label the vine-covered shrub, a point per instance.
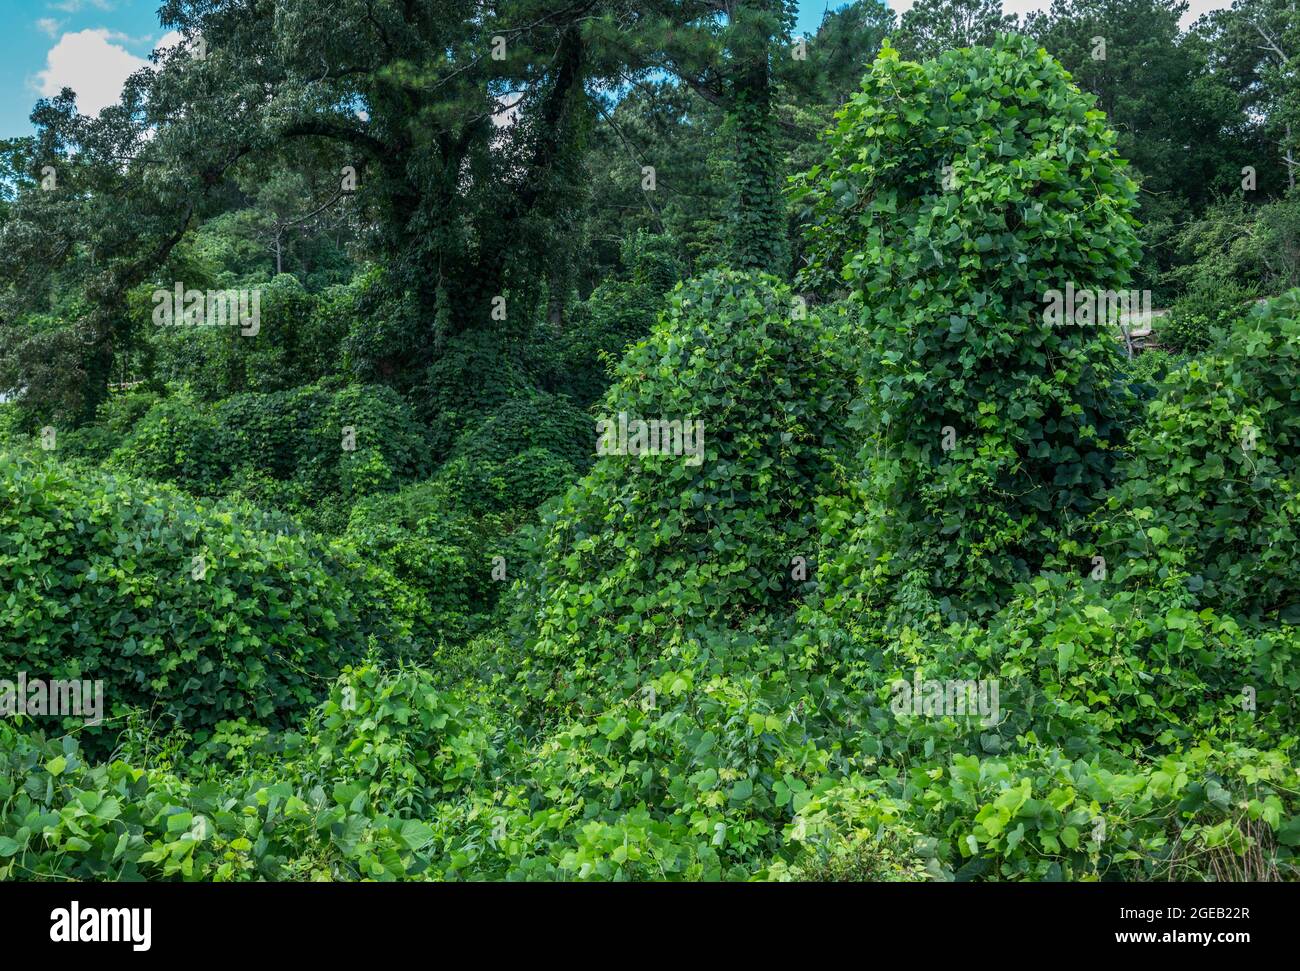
(476, 373)
(956, 196)
(520, 454)
(538, 420)
(647, 546)
(200, 613)
(285, 346)
(347, 443)
(11, 434)
(389, 336)
(308, 449)
(174, 441)
(117, 414)
(1212, 491)
(1205, 312)
(269, 432)
(366, 440)
(451, 543)
(439, 554)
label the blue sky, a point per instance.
(91, 46)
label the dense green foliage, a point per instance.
(910, 580)
(732, 742)
(306, 449)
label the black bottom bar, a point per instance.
(336, 920)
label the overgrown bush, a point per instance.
(1207, 813)
(1237, 249)
(956, 194)
(389, 338)
(1090, 669)
(195, 612)
(440, 555)
(1203, 314)
(174, 441)
(1212, 491)
(116, 416)
(308, 449)
(476, 373)
(647, 546)
(288, 346)
(520, 454)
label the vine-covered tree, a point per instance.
(462, 125)
(955, 196)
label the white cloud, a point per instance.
(50, 26)
(1021, 7)
(91, 62)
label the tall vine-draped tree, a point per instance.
(658, 123)
(757, 238)
(676, 122)
(955, 195)
(725, 51)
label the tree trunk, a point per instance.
(757, 232)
